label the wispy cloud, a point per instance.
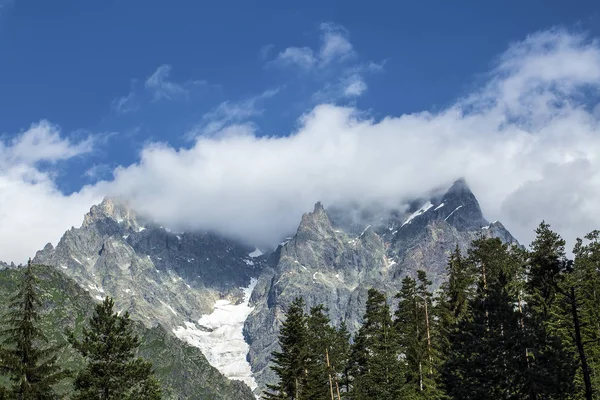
(265, 51)
(229, 112)
(302, 57)
(125, 104)
(354, 86)
(163, 88)
(158, 86)
(350, 84)
(335, 46)
(335, 43)
(334, 64)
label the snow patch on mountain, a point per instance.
(420, 211)
(256, 253)
(456, 209)
(219, 336)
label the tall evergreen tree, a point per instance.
(583, 294)
(455, 296)
(550, 366)
(414, 324)
(340, 359)
(320, 382)
(290, 364)
(25, 355)
(112, 370)
(487, 352)
(377, 370)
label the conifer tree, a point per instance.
(25, 355)
(583, 294)
(411, 333)
(452, 303)
(378, 372)
(112, 370)
(550, 366)
(290, 364)
(320, 374)
(487, 352)
(340, 358)
(414, 324)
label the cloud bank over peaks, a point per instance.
(521, 140)
(527, 141)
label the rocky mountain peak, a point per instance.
(314, 225)
(465, 212)
(111, 209)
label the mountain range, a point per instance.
(213, 306)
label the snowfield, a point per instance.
(219, 336)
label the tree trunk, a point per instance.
(337, 388)
(428, 339)
(329, 373)
(580, 348)
(420, 376)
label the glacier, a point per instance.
(220, 338)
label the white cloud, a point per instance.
(125, 104)
(32, 210)
(523, 142)
(231, 112)
(354, 86)
(528, 143)
(41, 142)
(302, 57)
(335, 44)
(162, 87)
(344, 80)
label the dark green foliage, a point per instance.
(340, 360)
(487, 356)
(377, 370)
(550, 368)
(290, 363)
(414, 324)
(25, 356)
(583, 296)
(507, 324)
(112, 370)
(183, 371)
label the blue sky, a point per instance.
(114, 80)
(68, 61)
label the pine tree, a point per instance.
(340, 358)
(24, 353)
(112, 371)
(452, 303)
(290, 364)
(377, 371)
(414, 324)
(583, 294)
(411, 334)
(550, 366)
(487, 352)
(320, 374)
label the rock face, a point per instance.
(331, 263)
(160, 277)
(228, 299)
